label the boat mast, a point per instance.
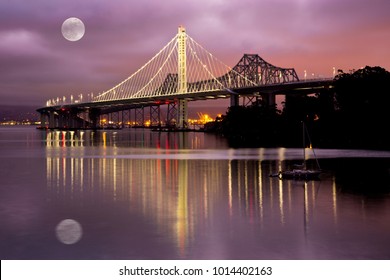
(306, 132)
(304, 145)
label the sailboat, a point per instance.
(301, 171)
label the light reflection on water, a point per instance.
(148, 195)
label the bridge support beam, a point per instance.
(43, 119)
(234, 100)
(52, 120)
(94, 117)
(269, 99)
(155, 115)
(125, 118)
(139, 116)
(250, 100)
(73, 121)
(171, 114)
(115, 118)
(61, 120)
(182, 114)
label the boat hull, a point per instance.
(300, 174)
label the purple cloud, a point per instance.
(37, 63)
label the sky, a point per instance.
(37, 63)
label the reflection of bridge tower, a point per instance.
(182, 77)
(182, 225)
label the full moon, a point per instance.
(69, 231)
(73, 29)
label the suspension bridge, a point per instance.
(182, 71)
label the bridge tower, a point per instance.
(182, 78)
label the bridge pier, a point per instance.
(155, 115)
(182, 114)
(234, 100)
(139, 116)
(43, 119)
(67, 119)
(61, 120)
(94, 117)
(171, 114)
(115, 118)
(52, 120)
(125, 115)
(269, 99)
(72, 120)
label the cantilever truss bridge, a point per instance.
(180, 72)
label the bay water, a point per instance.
(143, 194)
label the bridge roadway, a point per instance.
(266, 91)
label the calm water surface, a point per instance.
(138, 194)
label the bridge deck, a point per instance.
(299, 87)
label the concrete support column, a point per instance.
(43, 117)
(61, 122)
(182, 114)
(84, 125)
(94, 116)
(234, 100)
(269, 99)
(52, 120)
(73, 122)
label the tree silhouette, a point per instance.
(362, 99)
